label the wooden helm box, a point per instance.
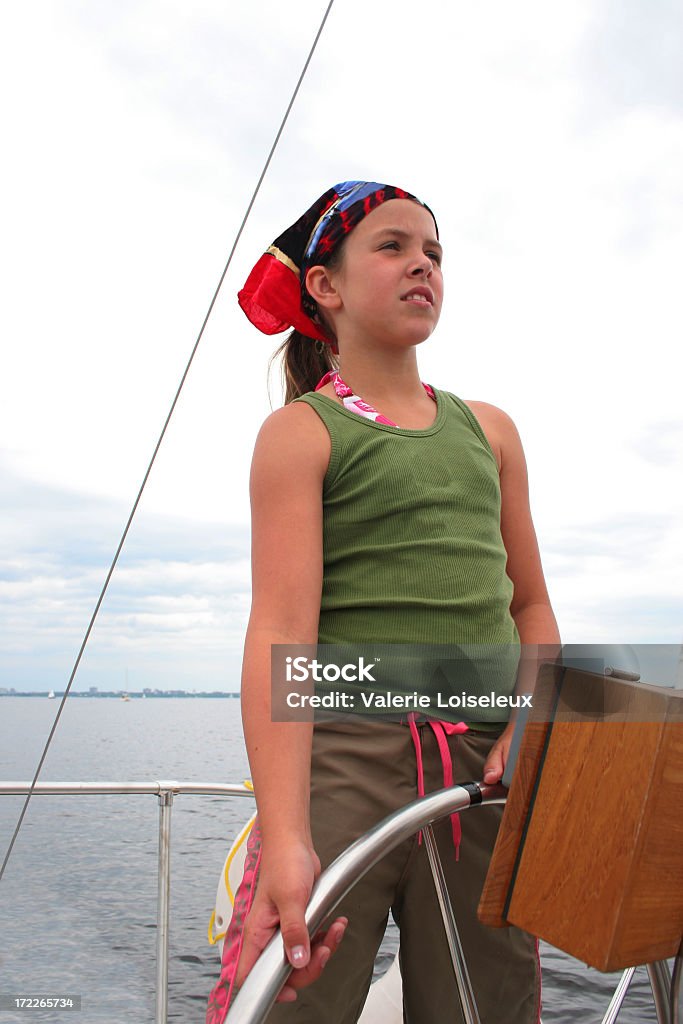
(589, 854)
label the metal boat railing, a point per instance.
(165, 790)
(261, 987)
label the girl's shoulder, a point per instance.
(498, 428)
(490, 414)
(294, 437)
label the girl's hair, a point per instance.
(304, 362)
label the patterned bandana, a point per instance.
(274, 296)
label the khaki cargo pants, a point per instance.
(363, 770)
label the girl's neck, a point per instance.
(376, 376)
(391, 387)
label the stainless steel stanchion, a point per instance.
(619, 996)
(467, 1001)
(660, 982)
(676, 986)
(163, 903)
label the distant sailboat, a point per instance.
(51, 695)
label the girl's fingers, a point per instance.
(321, 951)
(295, 934)
(333, 935)
(258, 931)
(251, 951)
(336, 933)
(495, 762)
(493, 769)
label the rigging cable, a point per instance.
(161, 437)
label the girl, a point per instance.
(401, 516)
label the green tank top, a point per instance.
(412, 548)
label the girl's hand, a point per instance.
(497, 759)
(283, 890)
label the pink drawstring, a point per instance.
(418, 757)
(440, 729)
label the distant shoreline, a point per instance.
(119, 694)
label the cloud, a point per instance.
(177, 603)
(632, 55)
(177, 607)
(661, 442)
(547, 139)
(618, 579)
(201, 74)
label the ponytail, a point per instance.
(304, 362)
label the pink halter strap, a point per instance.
(356, 404)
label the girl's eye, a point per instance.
(436, 257)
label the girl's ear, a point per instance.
(321, 288)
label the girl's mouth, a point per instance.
(420, 295)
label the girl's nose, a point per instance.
(422, 266)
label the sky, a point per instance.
(548, 139)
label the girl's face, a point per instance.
(388, 285)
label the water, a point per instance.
(78, 899)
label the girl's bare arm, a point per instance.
(289, 464)
(530, 607)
